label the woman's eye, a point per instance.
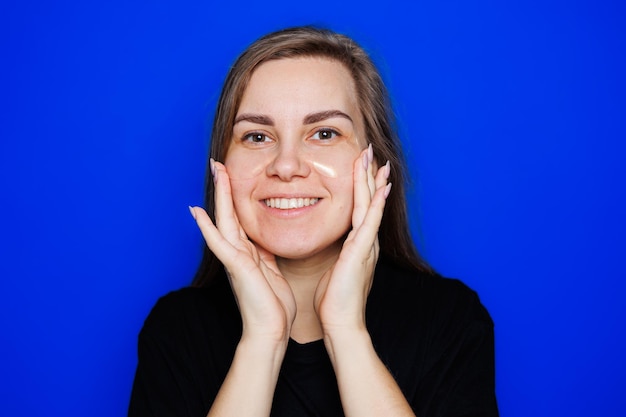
(255, 138)
(325, 134)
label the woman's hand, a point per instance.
(365, 385)
(342, 292)
(266, 302)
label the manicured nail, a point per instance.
(365, 161)
(387, 169)
(370, 153)
(387, 190)
(215, 173)
(193, 213)
(212, 165)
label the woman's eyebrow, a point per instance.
(255, 118)
(323, 115)
(308, 119)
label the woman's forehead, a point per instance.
(295, 88)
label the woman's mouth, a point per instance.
(290, 203)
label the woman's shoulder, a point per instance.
(426, 293)
(192, 306)
(413, 314)
(435, 337)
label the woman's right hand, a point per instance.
(266, 303)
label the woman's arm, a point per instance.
(249, 386)
(265, 301)
(365, 385)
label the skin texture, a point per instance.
(291, 271)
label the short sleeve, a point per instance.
(163, 386)
(463, 378)
(185, 349)
(437, 340)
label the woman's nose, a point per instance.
(289, 162)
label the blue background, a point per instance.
(513, 117)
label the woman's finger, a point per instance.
(365, 236)
(362, 193)
(382, 176)
(225, 217)
(370, 170)
(214, 239)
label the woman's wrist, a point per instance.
(346, 341)
(260, 334)
(261, 349)
(264, 342)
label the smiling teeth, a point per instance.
(290, 203)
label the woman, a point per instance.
(309, 300)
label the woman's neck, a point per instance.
(303, 275)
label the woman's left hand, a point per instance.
(342, 292)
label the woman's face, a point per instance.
(295, 138)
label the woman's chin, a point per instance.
(301, 250)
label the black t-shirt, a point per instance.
(432, 333)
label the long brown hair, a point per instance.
(394, 236)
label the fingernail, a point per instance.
(387, 169)
(365, 161)
(387, 190)
(193, 213)
(370, 153)
(212, 165)
(214, 171)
